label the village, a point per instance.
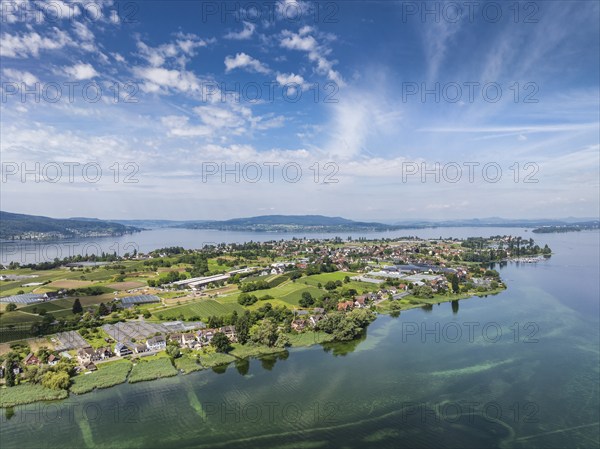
(188, 305)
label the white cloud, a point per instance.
(318, 54)
(244, 61)
(83, 32)
(18, 76)
(30, 44)
(81, 71)
(157, 79)
(179, 126)
(291, 82)
(179, 51)
(245, 33)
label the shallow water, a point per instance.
(519, 369)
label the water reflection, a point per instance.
(242, 366)
(455, 307)
(342, 348)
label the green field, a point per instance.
(152, 368)
(187, 364)
(28, 393)
(202, 308)
(309, 338)
(215, 359)
(251, 350)
(108, 374)
(18, 318)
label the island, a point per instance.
(82, 323)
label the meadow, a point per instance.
(107, 375)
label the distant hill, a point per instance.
(289, 223)
(34, 227)
(492, 222)
(571, 227)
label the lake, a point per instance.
(519, 369)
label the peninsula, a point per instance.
(84, 323)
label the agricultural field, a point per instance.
(127, 285)
(68, 284)
(202, 308)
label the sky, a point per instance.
(367, 110)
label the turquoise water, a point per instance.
(519, 369)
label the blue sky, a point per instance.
(171, 93)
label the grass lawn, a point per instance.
(108, 374)
(28, 393)
(251, 350)
(215, 359)
(187, 363)
(152, 368)
(309, 338)
(96, 339)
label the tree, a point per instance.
(77, 306)
(173, 351)
(102, 309)
(454, 283)
(246, 299)
(10, 374)
(56, 380)
(10, 307)
(264, 333)
(242, 328)
(330, 285)
(214, 322)
(307, 300)
(283, 341)
(43, 354)
(146, 314)
(221, 342)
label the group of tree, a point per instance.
(346, 326)
(253, 286)
(171, 276)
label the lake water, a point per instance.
(26, 252)
(520, 369)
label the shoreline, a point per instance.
(185, 364)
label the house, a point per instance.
(345, 306)
(299, 325)
(103, 353)
(90, 366)
(31, 359)
(206, 335)
(313, 320)
(50, 295)
(320, 310)
(229, 331)
(187, 339)
(53, 360)
(175, 337)
(139, 348)
(157, 343)
(86, 355)
(359, 302)
(122, 350)
(302, 312)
